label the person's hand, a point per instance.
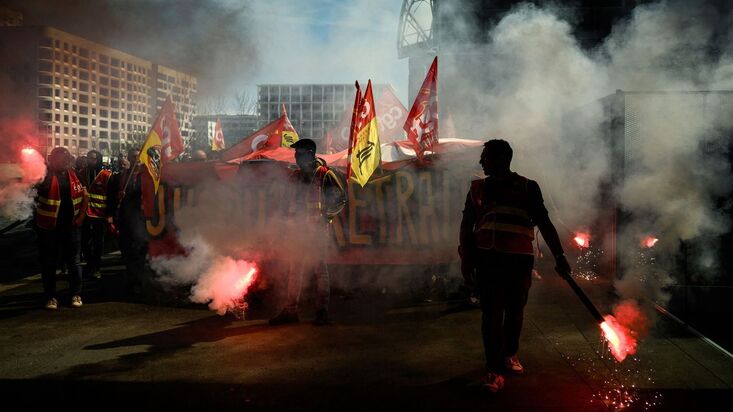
(562, 267)
(79, 220)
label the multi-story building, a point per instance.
(312, 108)
(85, 95)
(234, 126)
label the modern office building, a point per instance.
(85, 95)
(234, 126)
(312, 108)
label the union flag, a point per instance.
(365, 154)
(278, 133)
(163, 144)
(218, 142)
(422, 122)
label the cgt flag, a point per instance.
(218, 142)
(365, 154)
(163, 144)
(422, 122)
(278, 133)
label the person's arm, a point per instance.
(334, 195)
(467, 243)
(541, 218)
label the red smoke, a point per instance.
(624, 328)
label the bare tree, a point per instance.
(246, 103)
(212, 105)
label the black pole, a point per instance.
(583, 298)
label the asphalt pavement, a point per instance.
(386, 350)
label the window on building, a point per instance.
(46, 117)
(103, 113)
(103, 123)
(83, 110)
(83, 52)
(84, 87)
(103, 69)
(103, 134)
(83, 132)
(83, 144)
(103, 58)
(45, 66)
(94, 122)
(115, 126)
(83, 121)
(57, 117)
(83, 75)
(45, 104)
(104, 102)
(44, 91)
(104, 91)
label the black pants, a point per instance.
(64, 243)
(93, 243)
(133, 245)
(503, 282)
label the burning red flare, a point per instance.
(649, 242)
(620, 341)
(582, 239)
(27, 151)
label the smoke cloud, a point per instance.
(27, 168)
(533, 84)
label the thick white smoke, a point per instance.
(534, 85)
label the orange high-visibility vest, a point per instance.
(49, 203)
(314, 197)
(503, 222)
(98, 195)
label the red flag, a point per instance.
(163, 144)
(422, 122)
(218, 142)
(278, 133)
(391, 115)
(357, 103)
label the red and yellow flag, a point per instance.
(278, 133)
(218, 142)
(163, 144)
(364, 154)
(422, 122)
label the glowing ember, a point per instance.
(649, 242)
(582, 239)
(620, 341)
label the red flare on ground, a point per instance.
(649, 242)
(582, 239)
(27, 151)
(621, 342)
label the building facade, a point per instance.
(234, 126)
(312, 108)
(85, 95)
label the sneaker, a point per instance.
(76, 301)
(493, 382)
(321, 318)
(512, 365)
(284, 318)
(52, 304)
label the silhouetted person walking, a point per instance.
(497, 253)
